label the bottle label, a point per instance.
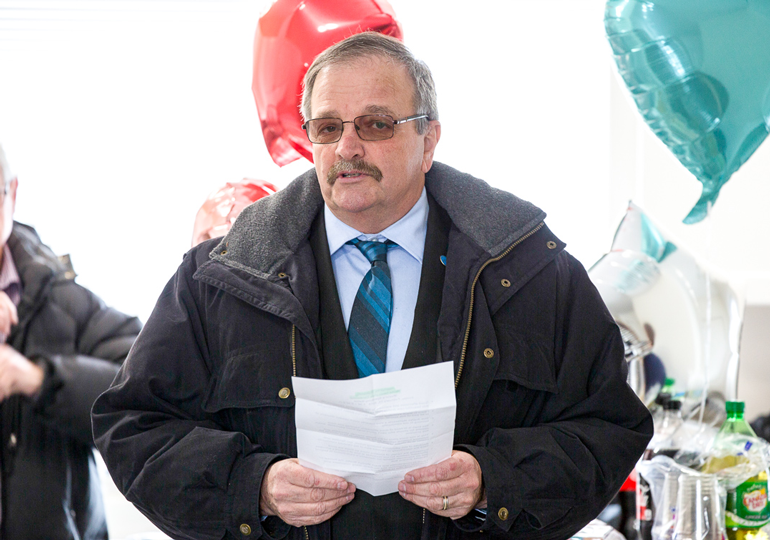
(645, 507)
(747, 506)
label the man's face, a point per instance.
(7, 209)
(371, 85)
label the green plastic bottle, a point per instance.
(746, 510)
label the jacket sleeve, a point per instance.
(188, 474)
(575, 443)
(102, 337)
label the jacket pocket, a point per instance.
(251, 392)
(543, 513)
(522, 384)
(526, 360)
(249, 377)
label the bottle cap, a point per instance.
(662, 398)
(672, 405)
(669, 382)
(734, 407)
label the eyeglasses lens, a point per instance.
(374, 127)
(324, 130)
(371, 127)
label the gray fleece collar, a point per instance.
(269, 231)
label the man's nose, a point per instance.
(350, 144)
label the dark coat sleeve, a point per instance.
(73, 380)
(579, 428)
(173, 460)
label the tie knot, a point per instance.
(372, 249)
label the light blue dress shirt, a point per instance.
(405, 262)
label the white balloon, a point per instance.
(691, 318)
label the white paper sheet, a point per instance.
(372, 431)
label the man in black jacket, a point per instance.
(60, 347)
(198, 428)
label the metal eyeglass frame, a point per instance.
(395, 123)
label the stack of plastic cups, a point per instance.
(666, 519)
(698, 511)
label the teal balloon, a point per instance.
(699, 72)
(652, 241)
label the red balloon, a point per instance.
(288, 38)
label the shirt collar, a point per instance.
(408, 232)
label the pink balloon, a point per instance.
(221, 207)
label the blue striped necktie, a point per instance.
(372, 310)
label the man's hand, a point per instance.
(18, 375)
(456, 480)
(302, 496)
(8, 315)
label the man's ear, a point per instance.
(430, 138)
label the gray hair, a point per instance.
(367, 45)
(5, 169)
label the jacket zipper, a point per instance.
(473, 287)
(293, 351)
(294, 373)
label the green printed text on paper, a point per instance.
(376, 393)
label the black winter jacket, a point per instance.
(197, 412)
(50, 487)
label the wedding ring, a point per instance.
(446, 503)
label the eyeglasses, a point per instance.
(370, 127)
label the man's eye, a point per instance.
(327, 128)
(375, 124)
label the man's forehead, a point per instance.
(386, 84)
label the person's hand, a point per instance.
(302, 496)
(18, 375)
(456, 480)
(8, 315)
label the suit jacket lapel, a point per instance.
(337, 355)
(423, 346)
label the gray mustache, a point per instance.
(357, 165)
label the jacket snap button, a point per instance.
(551, 244)
(505, 283)
(245, 529)
(489, 353)
(503, 513)
(284, 392)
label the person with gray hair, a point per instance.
(378, 259)
(60, 346)
(362, 46)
